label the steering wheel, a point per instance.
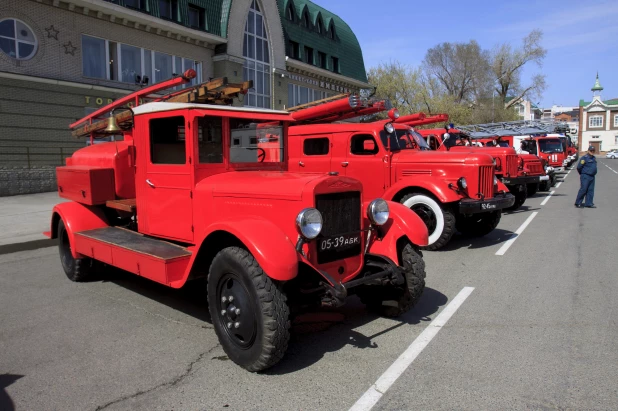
(261, 155)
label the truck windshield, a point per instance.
(256, 141)
(403, 140)
(550, 146)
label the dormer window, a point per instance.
(289, 12)
(320, 26)
(331, 31)
(305, 22)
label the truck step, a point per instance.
(156, 259)
(128, 204)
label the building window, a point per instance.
(289, 12)
(108, 60)
(305, 22)
(331, 31)
(616, 140)
(168, 9)
(335, 62)
(321, 60)
(197, 18)
(257, 59)
(298, 95)
(17, 40)
(294, 50)
(595, 121)
(320, 26)
(308, 55)
(616, 120)
(136, 4)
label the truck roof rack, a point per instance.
(214, 91)
(337, 108)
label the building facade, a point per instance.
(598, 125)
(61, 59)
(527, 110)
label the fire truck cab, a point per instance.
(198, 190)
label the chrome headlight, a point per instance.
(378, 212)
(388, 127)
(309, 223)
(462, 183)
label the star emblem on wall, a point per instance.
(69, 48)
(52, 33)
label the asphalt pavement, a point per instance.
(538, 330)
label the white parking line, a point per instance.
(386, 380)
(615, 172)
(551, 193)
(516, 234)
(558, 185)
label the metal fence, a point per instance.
(33, 157)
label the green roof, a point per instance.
(611, 102)
(344, 46)
(597, 85)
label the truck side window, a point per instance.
(256, 141)
(167, 140)
(433, 142)
(363, 145)
(316, 146)
(210, 140)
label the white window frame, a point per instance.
(595, 117)
(252, 72)
(17, 41)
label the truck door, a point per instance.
(364, 161)
(168, 184)
(314, 155)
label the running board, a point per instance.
(158, 260)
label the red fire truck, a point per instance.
(202, 190)
(449, 191)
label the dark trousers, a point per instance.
(586, 190)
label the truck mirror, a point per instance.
(369, 145)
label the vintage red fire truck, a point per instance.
(199, 190)
(449, 191)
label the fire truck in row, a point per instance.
(199, 189)
(450, 191)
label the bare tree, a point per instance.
(462, 69)
(508, 63)
(398, 83)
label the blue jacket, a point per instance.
(587, 165)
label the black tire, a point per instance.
(439, 220)
(260, 330)
(76, 269)
(545, 185)
(478, 225)
(393, 301)
(532, 189)
(554, 180)
(520, 193)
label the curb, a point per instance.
(27, 246)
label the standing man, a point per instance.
(587, 169)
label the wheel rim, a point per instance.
(427, 215)
(66, 257)
(235, 312)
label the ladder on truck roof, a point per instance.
(337, 108)
(214, 91)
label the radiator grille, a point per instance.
(535, 168)
(512, 165)
(341, 214)
(486, 181)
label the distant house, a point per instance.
(598, 125)
(527, 110)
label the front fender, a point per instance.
(402, 222)
(77, 217)
(437, 186)
(502, 187)
(268, 244)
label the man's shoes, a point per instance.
(591, 206)
(579, 206)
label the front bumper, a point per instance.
(544, 178)
(501, 201)
(521, 180)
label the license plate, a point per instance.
(339, 242)
(487, 206)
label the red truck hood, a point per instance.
(443, 157)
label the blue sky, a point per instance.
(581, 37)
